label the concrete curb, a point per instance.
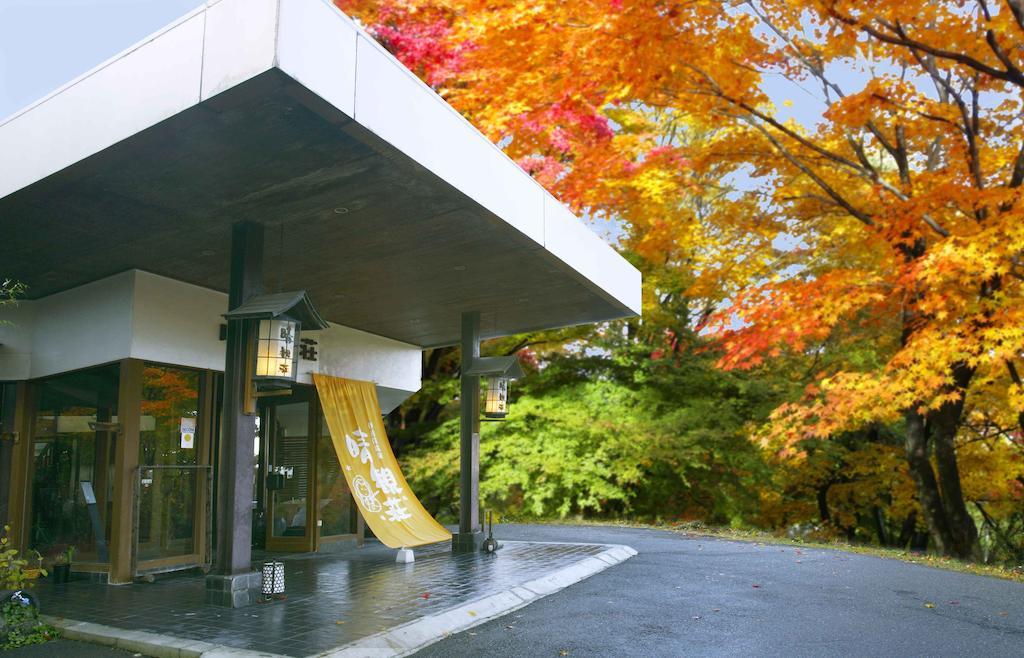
(398, 641)
(415, 635)
(149, 644)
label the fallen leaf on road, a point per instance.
(1003, 614)
(339, 622)
(929, 605)
(755, 586)
(563, 652)
(472, 633)
(696, 616)
(954, 603)
(716, 609)
(472, 614)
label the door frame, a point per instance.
(313, 540)
(268, 409)
(202, 512)
(357, 524)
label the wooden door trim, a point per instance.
(307, 542)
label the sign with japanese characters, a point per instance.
(188, 433)
(389, 507)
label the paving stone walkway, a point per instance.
(333, 599)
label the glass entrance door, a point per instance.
(301, 502)
(172, 469)
(336, 511)
(289, 479)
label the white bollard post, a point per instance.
(405, 556)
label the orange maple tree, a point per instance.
(889, 215)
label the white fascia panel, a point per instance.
(142, 86)
(316, 45)
(16, 325)
(569, 239)
(240, 42)
(355, 354)
(177, 323)
(84, 326)
(399, 108)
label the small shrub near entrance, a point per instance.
(20, 625)
(19, 619)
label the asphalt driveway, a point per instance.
(707, 597)
(696, 596)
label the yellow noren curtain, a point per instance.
(390, 508)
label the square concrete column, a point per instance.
(469, 537)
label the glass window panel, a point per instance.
(334, 502)
(73, 470)
(167, 448)
(290, 458)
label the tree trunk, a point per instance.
(908, 530)
(924, 479)
(880, 529)
(942, 425)
(1015, 376)
(945, 513)
(823, 513)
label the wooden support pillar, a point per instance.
(233, 582)
(126, 473)
(469, 538)
(20, 483)
(8, 396)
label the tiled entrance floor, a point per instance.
(333, 598)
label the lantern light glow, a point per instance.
(496, 400)
(276, 356)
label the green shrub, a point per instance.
(20, 624)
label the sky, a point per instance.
(46, 43)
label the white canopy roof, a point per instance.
(394, 212)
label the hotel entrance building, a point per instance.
(252, 153)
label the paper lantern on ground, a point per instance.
(273, 579)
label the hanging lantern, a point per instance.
(273, 579)
(276, 353)
(496, 400)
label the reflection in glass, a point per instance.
(167, 447)
(333, 499)
(289, 457)
(73, 451)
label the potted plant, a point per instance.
(19, 566)
(62, 565)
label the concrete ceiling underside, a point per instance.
(381, 243)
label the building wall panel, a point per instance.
(568, 238)
(316, 45)
(152, 81)
(239, 42)
(82, 327)
(399, 108)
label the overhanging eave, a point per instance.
(378, 198)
